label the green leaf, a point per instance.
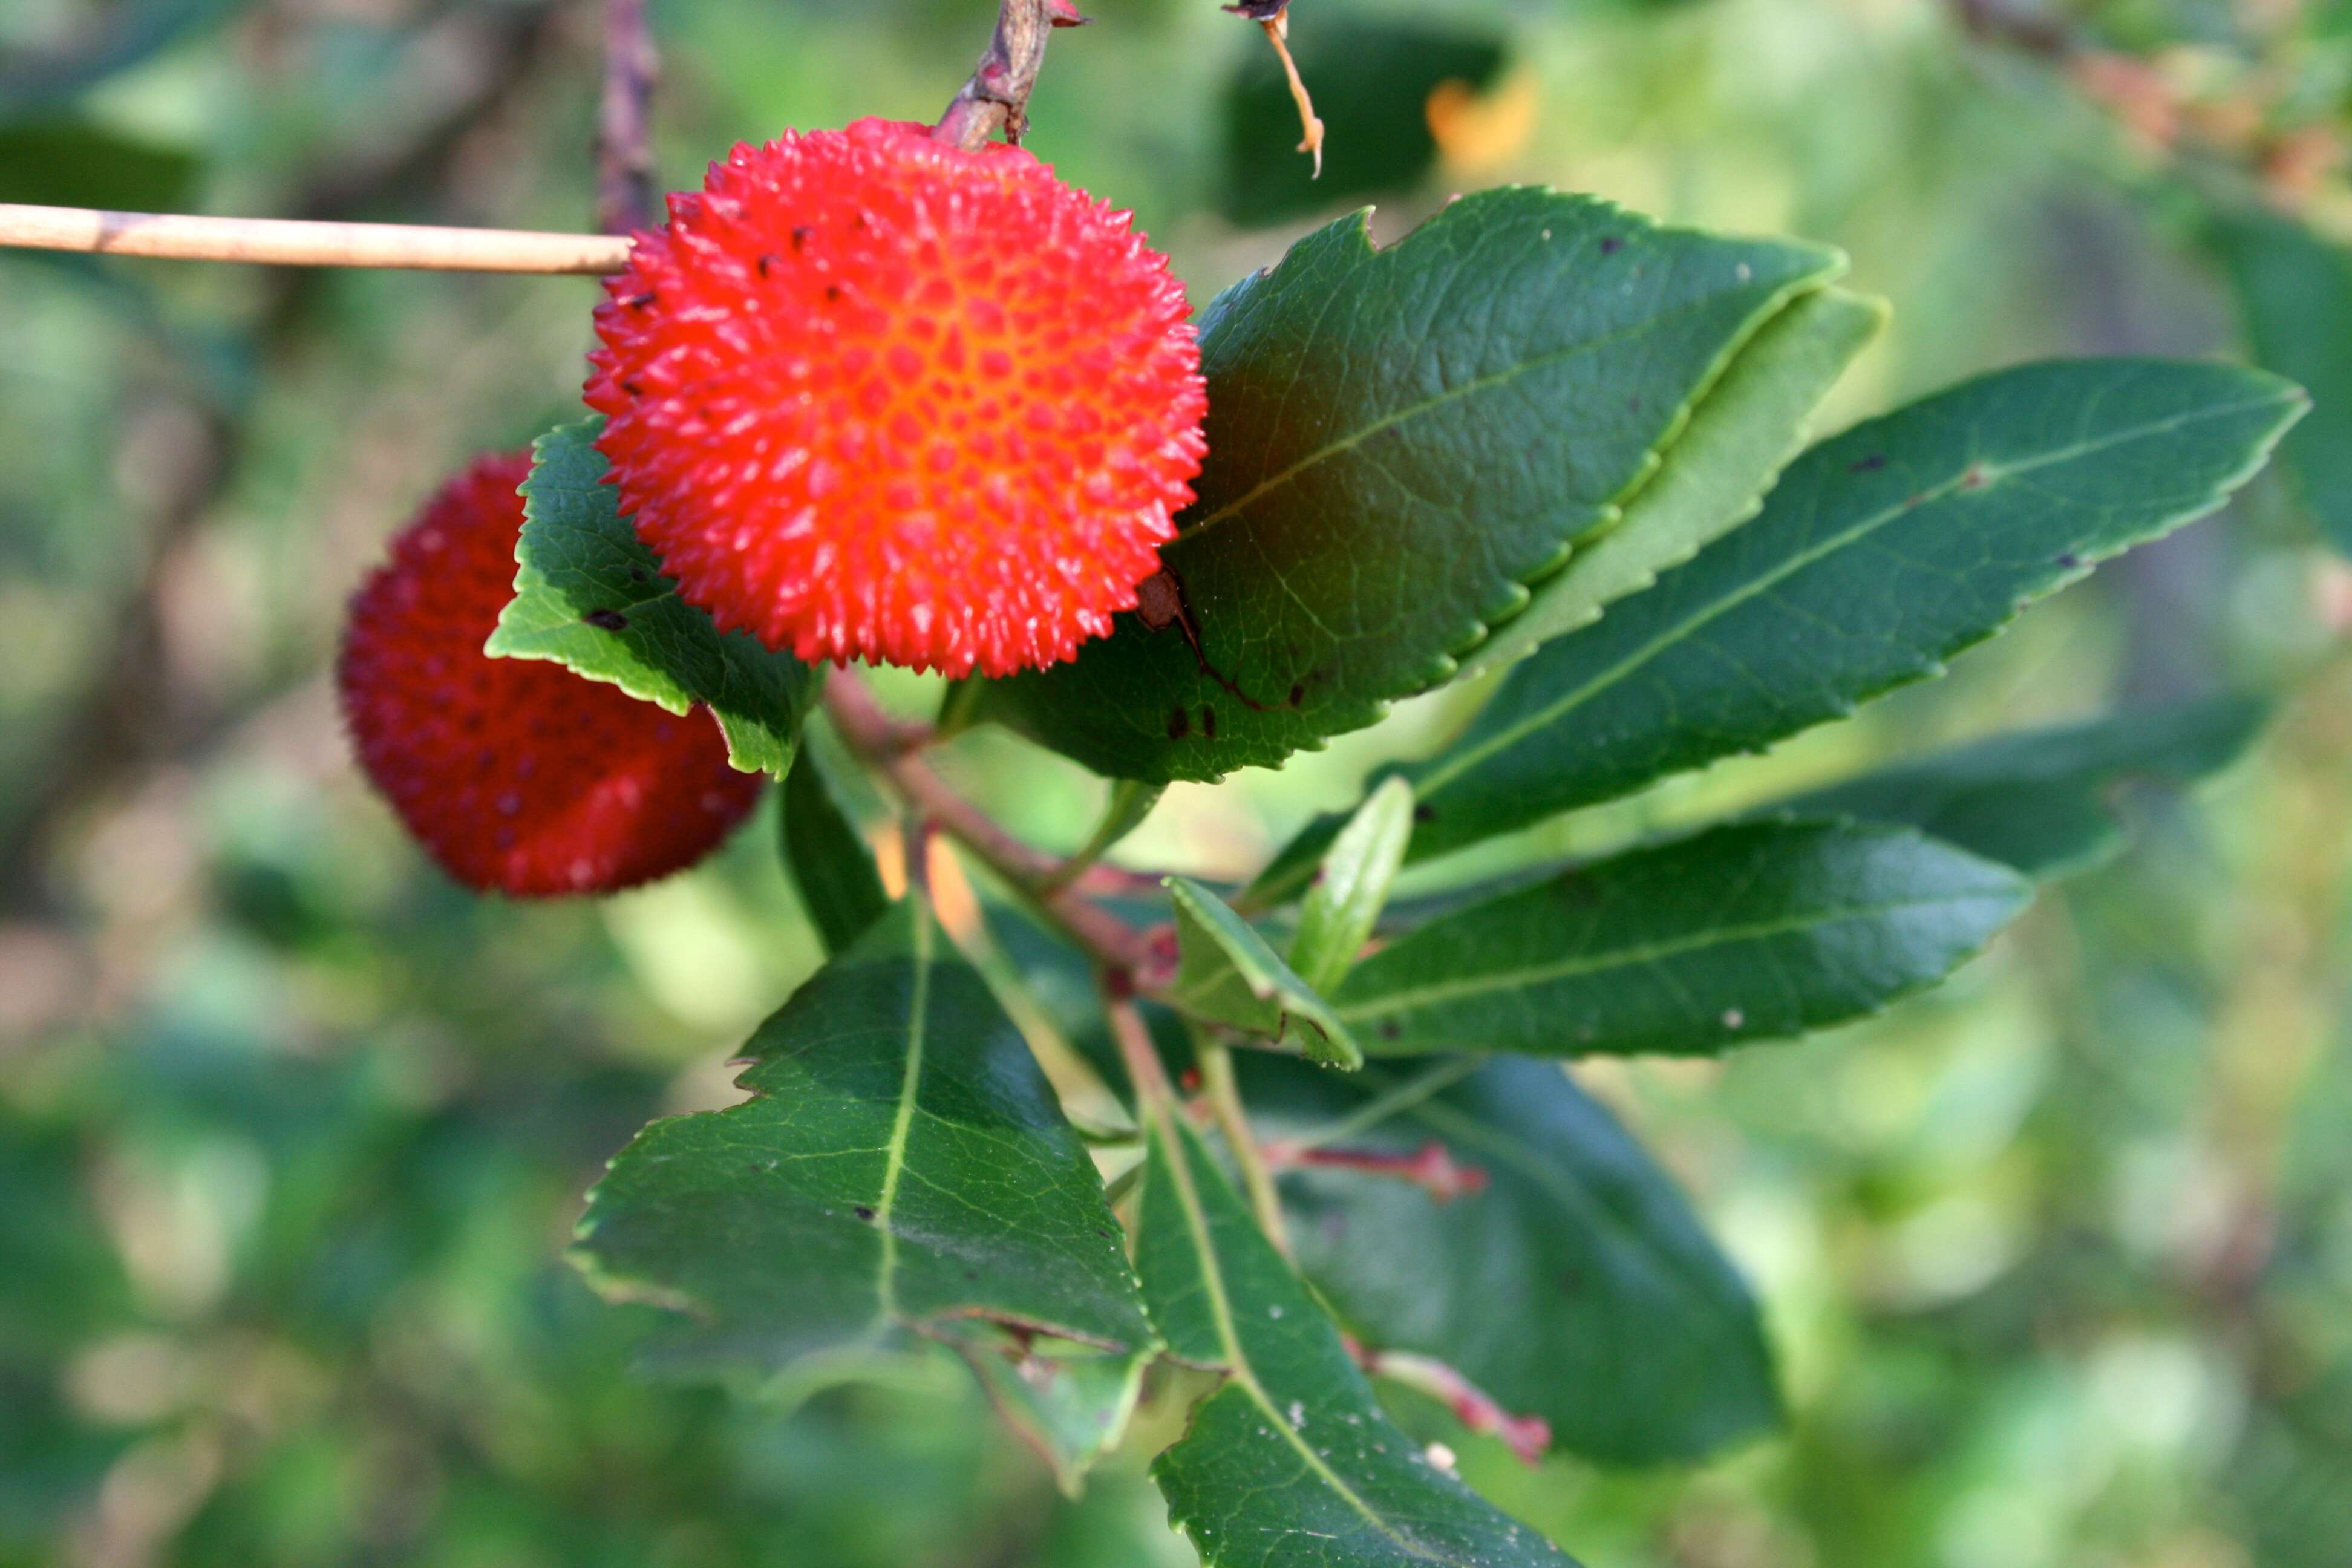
(591, 597)
(902, 1165)
(1346, 901)
(1227, 975)
(827, 857)
(2294, 297)
(1882, 553)
(1756, 931)
(1576, 1285)
(1400, 440)
(73, 163)
(2044, 801)
(1291, 1464)
(1739, 438)
(1069, 1403)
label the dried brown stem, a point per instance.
(893, 749)
(627, 198)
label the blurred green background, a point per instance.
(2058, 1260)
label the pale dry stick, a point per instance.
(287, 242)
(889, 747)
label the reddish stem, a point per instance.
(1432, 1167)
(1528, 1435)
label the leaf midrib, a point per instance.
(1643, 953)
(1245, 1376)
(1446, 769)
(895, 1153)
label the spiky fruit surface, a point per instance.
(518, 776)
(872, 397)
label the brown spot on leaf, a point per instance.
(607, 620)
(1179, 723)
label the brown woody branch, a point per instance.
(627, 198)
(995, 98)
(893, 749)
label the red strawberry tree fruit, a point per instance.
(898, 395)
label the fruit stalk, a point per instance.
(996, 96)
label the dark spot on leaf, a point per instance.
(1180, 724)
(607, 620)
(1425, 814)
(1208, 722)
(2069, 560)
(1974, 479)
(1104, 1234)
(1391, 1029)
(1297, 693)
(1869, 464)
(637, 574)
(1611, 246)
(864, 1213)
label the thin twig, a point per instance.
(884, 744)
(627, 199)
(287, 242)
(996, 96)
(1224, 1097)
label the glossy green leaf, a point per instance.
(1739, 438)
(1755, 931)
(2044, 801)
(1400, 440)
(902, 1164)
(839, 885)
(1291, 1464)
(1227, 975)
(1068, 1402)
(2294, 296)
(1880, 554)
(1575, 1284)
(1346, 900)
(591, 597)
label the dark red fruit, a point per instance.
(518, 775)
